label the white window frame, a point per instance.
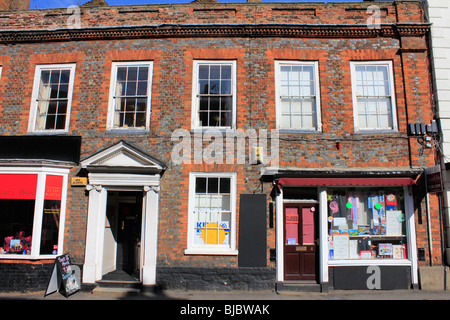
(35, 95)
(353, 65)
(39, 211)
(195, 121)
(211, 249)
(112, 89)
(278, 65)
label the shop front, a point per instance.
(346, 231)
(34, 173)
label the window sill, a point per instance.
(211, 251)
(371, 262)
(377, 131)
(299, 131)
(27, 257)
(128, 131)
(213, 130)
(48, 133)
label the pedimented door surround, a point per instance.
(122, 167)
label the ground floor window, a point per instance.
(212, 212)
(366, 223)
(30, 213)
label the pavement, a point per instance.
(406, 295)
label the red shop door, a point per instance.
(300, 242)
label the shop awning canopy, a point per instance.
(346, 181)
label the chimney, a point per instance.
(14, 5)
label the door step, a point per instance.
(118, 282)
(297, 286)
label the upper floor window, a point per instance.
(214, 94)
(130, 95)
(52, 98)
(373, 96)
(297, 95)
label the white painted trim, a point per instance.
(212, 249)
(323, 235)
(112, 89)
(99, 185)
(279, 234)
(353, 65)
(35, 94)
(195, 125)
(315, 65)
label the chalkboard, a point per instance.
(252, 231)
(64, 277)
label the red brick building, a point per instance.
(121, 128)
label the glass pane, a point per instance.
(214, 86)
(200, 185)
(224, 185)
(60, 122)
(226, 72)
(63, 91)
(213, 185)
(142, 88)
(203, 72)
(122, 74)
(50, 227)
(54, 77)
(143, 74)
(226, 103)
(204, 87)
(50, 122)
(140, 119)
(204, 103)
(45, 77)
(65, 76)
(214, 72)
(292, 226)
(16, 219)
(132, 73)
(131, 88)
(141, 104)
(308, 226)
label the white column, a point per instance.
(279, 235)
(323, 235)
(411, 234)
(92, 269)
(150, 235)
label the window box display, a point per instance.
(366, 223)
(30, 214)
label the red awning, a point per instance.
(346, 181)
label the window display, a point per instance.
(18, 202)
(366, 223)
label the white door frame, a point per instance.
(98, 186)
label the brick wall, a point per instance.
(172, 89)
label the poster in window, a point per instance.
(394, 221)
(341, 246)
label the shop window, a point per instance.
(25, 203)
(52, 98)
(366, 223)
(214, 97)
(373, 96)
(130, 99)
(297, 95)
(212, 212)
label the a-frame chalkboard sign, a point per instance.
(63, 278)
